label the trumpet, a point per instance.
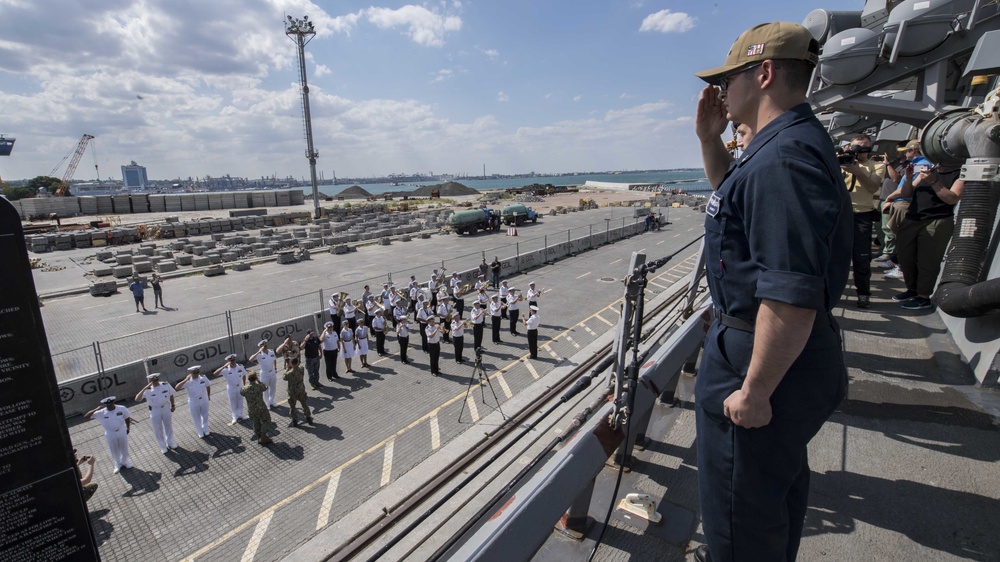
(446, 326)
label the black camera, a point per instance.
(848, 156)
(479, 352)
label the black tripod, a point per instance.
(479, 371)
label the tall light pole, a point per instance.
(301, 31)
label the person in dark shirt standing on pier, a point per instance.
(495, 271)
(139, 293)
(778, 233)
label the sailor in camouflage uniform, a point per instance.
(254, 394)
(296, 391)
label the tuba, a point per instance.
(341, 298)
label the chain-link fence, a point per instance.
(138, 346)
(74, 363)
(264, 314)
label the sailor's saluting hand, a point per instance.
(710, 119)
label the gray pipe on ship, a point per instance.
(971, 138)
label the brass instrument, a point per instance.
(446, 322)
(446, 325)
(341, 296)
(404, 298)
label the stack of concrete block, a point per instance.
(103, 288)
(166, 266)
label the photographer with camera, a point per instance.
(923, 233)
(863, 177)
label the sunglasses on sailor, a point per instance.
(727, 79)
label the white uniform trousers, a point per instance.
(235, 401)
(163, 426)
(199, 413)
(118, 445)
(270, 380)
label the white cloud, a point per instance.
(443, 74)
(423, 26)
(215, 91)
(491, 53)
(666, 21)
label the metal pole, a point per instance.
(302, 31)
(607, 231)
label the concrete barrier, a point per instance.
(275, 334)
(529, 260)
(174, 364)
(83, 394)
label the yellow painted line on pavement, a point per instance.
(503, 385)
(331, 492)
(435, 433)
(531, 368)
(473, 410)
(258, 534)
(387, 464)
(601, 318)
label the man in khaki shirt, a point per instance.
(863, 179)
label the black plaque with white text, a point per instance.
(42, 513)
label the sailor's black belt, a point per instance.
(823, 319)
(737, 323)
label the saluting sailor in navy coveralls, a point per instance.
(778, 234)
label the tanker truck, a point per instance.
(518, 214)
(469, 221)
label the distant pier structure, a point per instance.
(614, 186)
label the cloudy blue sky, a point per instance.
(210, 87)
